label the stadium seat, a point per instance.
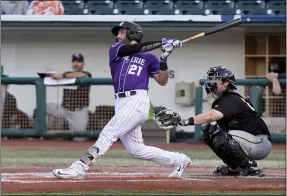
(129, 7)
(276, 7)
(159, 7)
(189, 8)
(100, 7)
(250, 7)
(219, 7)
(73, 7)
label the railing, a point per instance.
(40, 129)
(256, 95)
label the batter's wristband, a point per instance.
(163, 66)
(190, 121)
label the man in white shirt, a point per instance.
(14, 7)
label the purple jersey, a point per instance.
(131, 72)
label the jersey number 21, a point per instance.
(248, 104)
(135, 70)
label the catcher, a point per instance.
(239, 136)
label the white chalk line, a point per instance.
(47, 174)
(10, 177)
(89, 181)
(113, 174)
(241, 177)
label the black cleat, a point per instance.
(252, 171)
(226, 171)
(253, 164)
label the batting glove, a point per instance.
(176, 43)
(166, 49)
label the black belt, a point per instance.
(125, 94)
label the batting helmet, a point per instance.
(134, 31)
(221, 73)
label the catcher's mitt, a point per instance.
(166, 118)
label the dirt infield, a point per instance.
(15, 179)
(148, 178)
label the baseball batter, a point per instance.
(239, 136)
(131, 66)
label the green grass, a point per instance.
(278, 155)
(205, 157)
(128, 192)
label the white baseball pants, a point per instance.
(130, 113)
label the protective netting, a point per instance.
(272, 109)
(69, 109)
(77, 108)
(17, 104)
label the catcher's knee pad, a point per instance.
(219, 140)
(91, 155)
(229, 150)
(208, 130)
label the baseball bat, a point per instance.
(218, 28)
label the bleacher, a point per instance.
(174, 7)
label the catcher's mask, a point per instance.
(215, 74)
(134, 31)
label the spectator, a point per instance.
(14, 7)
(42, 7)
(12, 117)
(277, 72)
(75, 103)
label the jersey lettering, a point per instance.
(135, 70)
(248, 104)
(131, 72)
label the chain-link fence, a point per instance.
(89, 108)
(272, 108)
(13, 115)
(79, 108)
(275, 110)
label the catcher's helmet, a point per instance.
(134, 31)
(218, 73)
